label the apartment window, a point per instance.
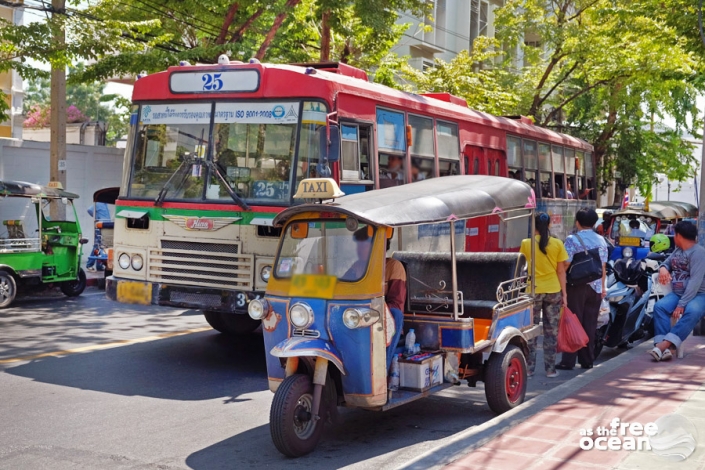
(479, 18)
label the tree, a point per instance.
(608, 71)
(87, 102)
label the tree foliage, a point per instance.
(609, 71)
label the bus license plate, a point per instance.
(130, 292)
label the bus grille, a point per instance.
(199, 264)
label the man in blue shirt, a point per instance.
(584, 300)
(102, 214)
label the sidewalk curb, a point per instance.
(464, 442)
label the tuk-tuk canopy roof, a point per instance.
(682, 209)
(106, 195)
(22, 189)
(635, 212)
(429, 201)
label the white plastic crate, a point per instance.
(422, 374)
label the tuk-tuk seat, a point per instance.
(429, 280)
(15, 231)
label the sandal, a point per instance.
(667, 355)
(656, 354)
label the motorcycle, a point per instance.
(631, 302)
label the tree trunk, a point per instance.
(227, 22)
(325, 37)
(275, 27)
(246, 25)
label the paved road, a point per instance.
(87, 383)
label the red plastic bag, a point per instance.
(571, 335)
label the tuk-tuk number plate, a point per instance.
(134, 292)
(629, 241)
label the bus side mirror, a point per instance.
(330, 143)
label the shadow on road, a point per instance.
(198, 366)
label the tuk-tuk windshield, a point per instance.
(326, 248)
(646, 228)
(58, 210)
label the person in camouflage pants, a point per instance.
(549, 290)
(551, 305)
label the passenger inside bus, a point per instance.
(391, 169)
(416, 173)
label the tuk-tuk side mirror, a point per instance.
(299, 230)
(389, 232)
(65, 201)
(83, 241)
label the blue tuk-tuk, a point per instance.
(326, 325)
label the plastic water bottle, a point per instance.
(410, 341)
(394, 374)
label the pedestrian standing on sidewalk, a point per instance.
(685, 270)
(549, 290)
(584, 300)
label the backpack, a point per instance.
(585, 267)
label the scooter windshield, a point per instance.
(325, 248)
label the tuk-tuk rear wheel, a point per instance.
(505, 379)
(74, 288)
(8, 289)
(293, 430)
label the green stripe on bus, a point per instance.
(157, 213)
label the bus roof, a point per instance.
(276, 81)
(429, 201)
(22, 189)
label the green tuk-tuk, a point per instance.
(40, 240)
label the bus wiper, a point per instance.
(219, 174)
(182, 171)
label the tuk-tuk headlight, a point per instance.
(360, 317)
(265, 273)
(258, 309)
(124, 260)
(627, 252)
(301, 315)
(137, 262)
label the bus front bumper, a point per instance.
(150, 293)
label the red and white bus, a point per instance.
(216, 151)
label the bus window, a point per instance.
(168, 146)
(514, 157)
(497, 168)
(570, 173)
(447, 167)
(559, 172)
(422, 148)
(476, 166)
(350, 152)
(590, 177)
(313, 122)
(545, 169)
(391, 141)
(530, 162)
(365, 146)
(580, 174)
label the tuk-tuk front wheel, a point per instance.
(294, 431)
(505, 379)
(76, 287)
(8, 289)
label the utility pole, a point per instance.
(57, 146)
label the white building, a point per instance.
(11, 82)
(454, 26)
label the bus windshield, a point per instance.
(250, 147)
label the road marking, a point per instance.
(97, 347)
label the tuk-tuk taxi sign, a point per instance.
(318, 188)
(315, 286)
(55, 185)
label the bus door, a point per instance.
(476, 230)
(496, 166)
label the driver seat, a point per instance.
(15, 231)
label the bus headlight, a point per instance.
(360, 317)
(265, 273)
(124, 260)
(301, 315)
(137, 262)
(258, 309)
(627, 252)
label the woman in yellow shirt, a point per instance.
(549, 289)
